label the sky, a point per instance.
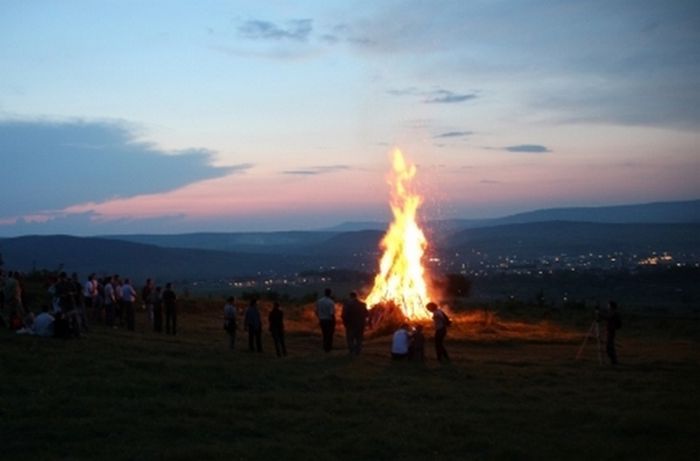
(179, 116)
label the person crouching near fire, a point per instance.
(400, 343)
(440, 320)
(416, 350)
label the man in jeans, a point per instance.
(325, 311)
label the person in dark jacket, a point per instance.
(354, 319)
(157, 302)
(276, 325)
(612, 323)
(252, 323)
(440, 323)
(169, 299)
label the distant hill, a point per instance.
(208, 256)
(247, 242)
(658, 212)
(353, 226)
(135, 260)
(556, 237)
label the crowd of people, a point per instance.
(72, 305)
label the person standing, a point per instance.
(128, 300)
(354, 318)
(119, 301)
(440, 321)
(325, 311)
(89, 295)
(613, 322)
(146, 298)
(276, 325)
(230, 321)
(169, 301)
(13, 293)
(253, 325)
(110, 302)
(157, 302)
(80, 302)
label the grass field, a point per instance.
(512, 391)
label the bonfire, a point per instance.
(401, 278)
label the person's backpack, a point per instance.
(448, 321)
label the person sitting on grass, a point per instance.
(43, 323)
(400, 343)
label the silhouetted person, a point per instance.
(128, 300)
(89, 289)
(146, 292)
(79, 302)
(110, 302)
(354, 319)
(416, 349)
(230, 321)
(169, 302)
(157, 301)
(276, 325)
(440, 322)
(325, 311)
(252, 323)
(613, 323)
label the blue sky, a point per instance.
(183, 116)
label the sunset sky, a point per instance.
(181, 116)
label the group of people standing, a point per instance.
(355, 316)
(116, 298)
(73, 305)
(252, 324)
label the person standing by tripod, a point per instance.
(613, 322)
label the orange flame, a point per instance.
(400, 279)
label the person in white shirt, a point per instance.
(400, 343)
(325, 311)
(89, 295)
(43, 323)
(110, 302)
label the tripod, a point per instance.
(593, 332)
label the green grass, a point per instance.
(512, 391)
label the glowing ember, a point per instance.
(400, 279)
